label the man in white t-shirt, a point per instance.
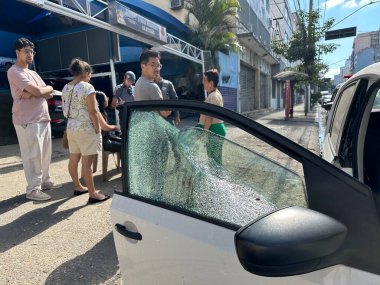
(31, 119)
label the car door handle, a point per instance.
(123, 231)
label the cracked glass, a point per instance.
(199, 172)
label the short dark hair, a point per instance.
(23, 42)
(78, 67)
(212, 75)
(146, 54)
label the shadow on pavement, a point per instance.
(33, 223)
(16, 166)
(12, 203)
(96, 266)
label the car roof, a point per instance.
(372, 70)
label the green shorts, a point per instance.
(218, 129)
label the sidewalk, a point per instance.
(301, 129)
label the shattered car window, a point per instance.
(205, 174)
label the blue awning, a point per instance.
(20, 19)
(159, 16)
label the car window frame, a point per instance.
(347, 154)
(336, 139)
(361, 132)
(244, 123)
(207, 216)
(273, 138)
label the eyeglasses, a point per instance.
(155, 66)
(28, 51)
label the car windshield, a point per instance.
(182, 169)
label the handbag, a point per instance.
(65, 141)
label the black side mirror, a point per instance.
(288, 242)
(327, 106)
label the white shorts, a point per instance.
(84, 142)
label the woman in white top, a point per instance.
(83, 128)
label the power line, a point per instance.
(283, 16)
(337, 62)
(372, 2)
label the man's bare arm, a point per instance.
(39, 91)
(27, 95)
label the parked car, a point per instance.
(327, 106)
(325, 97)
(8, 133)
(353, 127)
(184, 218)
(58, 121)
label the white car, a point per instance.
(352, 138)
(326, 97)
(187, 215)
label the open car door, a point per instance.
(197, 208)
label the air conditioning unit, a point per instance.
(176, 4)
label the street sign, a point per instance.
(341, 33)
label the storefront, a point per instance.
(107, 34)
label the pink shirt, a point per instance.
(26, 111)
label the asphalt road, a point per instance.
(66, 241)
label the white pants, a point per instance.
(35, 146)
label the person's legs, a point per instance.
(215, 143)
(31, 154)
(88, 177)
(73, 170)
(89, 144)
(46, 151)
(45, 131)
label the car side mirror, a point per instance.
(290, 241)
(327, 106)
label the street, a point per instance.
(66, 241)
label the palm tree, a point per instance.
(212, 23)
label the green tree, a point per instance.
(306, 45)
(212, 23)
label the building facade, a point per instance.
(246, 76)
(365, 50)
(282, 29)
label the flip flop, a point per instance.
(77, 192)
(94, 200)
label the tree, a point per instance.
(305, 46)
(212, 23)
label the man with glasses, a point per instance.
(145, 88)
(155, 152)
(31, 120)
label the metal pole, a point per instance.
(309, 42)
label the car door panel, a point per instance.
(188, 251)
(187, 243)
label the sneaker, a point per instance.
(38, 195)
(51, 185)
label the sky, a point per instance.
(364, 18)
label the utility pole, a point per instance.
(310, 56)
